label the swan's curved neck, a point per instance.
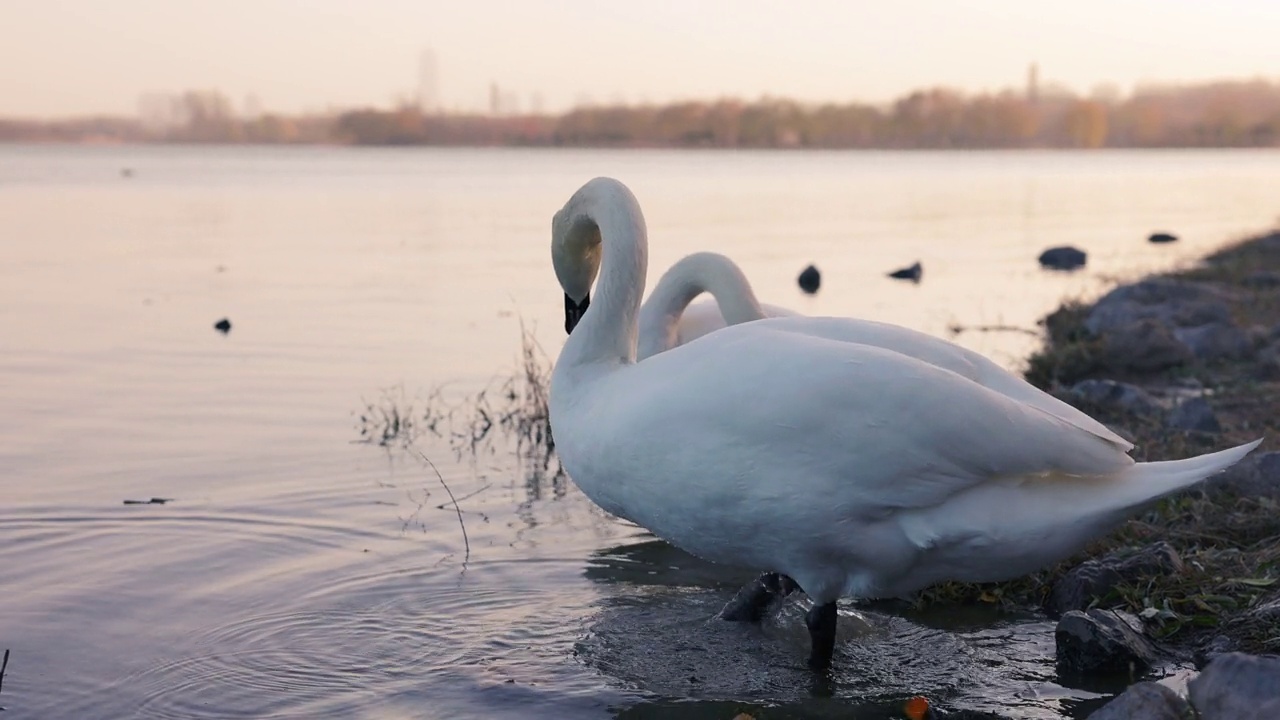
(603, 215)
(687, 279)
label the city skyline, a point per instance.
(82, 58)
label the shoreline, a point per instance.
(1180, 363)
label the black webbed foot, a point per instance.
(753, 601)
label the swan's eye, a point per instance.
(574, 311)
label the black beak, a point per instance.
(573, 312)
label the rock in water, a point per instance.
(1236, 686)
(912, 273)
(1101, 642)
(1144, 701)
(223, 326)
(810, 279)
(1162, 237)
(1063, 258)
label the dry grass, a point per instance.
(510, 407)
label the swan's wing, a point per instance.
(950, 356)
(745, 411)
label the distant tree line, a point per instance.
(1219, 114)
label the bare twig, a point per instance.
(469, 495)
(957, 328)
(466, 542)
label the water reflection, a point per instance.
(656, 631)
(655, 562)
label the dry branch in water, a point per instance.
(957, 328)
(466, 541)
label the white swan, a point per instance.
(667, 319)
(851, 469)
(665, 323)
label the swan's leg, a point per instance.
(752, 601)
(822, 634)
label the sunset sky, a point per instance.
(68, 57)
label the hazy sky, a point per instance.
(60, 57)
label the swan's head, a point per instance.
(575, 254)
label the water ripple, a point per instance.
(484, 638)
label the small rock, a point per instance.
(1063, 258)
(1109, 393)
(912, 273)
(1143, 346)
(1219, 644)
(1162, 237)
(1267, 366)
(1101, 641)
(1094, 578)
(810, 279)
(1269, 471)
(1173, 302)
(1194, 414)
(1216, 341)
(1236, 686)
(1262, 279)
(223, 326)
(1254, 630)
(1144, 701)
(1256, 476)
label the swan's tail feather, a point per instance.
(1151, 480)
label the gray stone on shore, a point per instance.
(1216, 341)
(1145, 701)
(1143, 346)
(1102, 642)
(1064, 257)
(1257, 476)
(1109, 393)
(1175, 303)
(1236, 686)
(1256, 629)
(1095, 578)
(1267, 366)
(1262, 279)
(1194, 414)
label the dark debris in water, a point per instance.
(152, 501)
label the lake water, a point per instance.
(298, 572)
